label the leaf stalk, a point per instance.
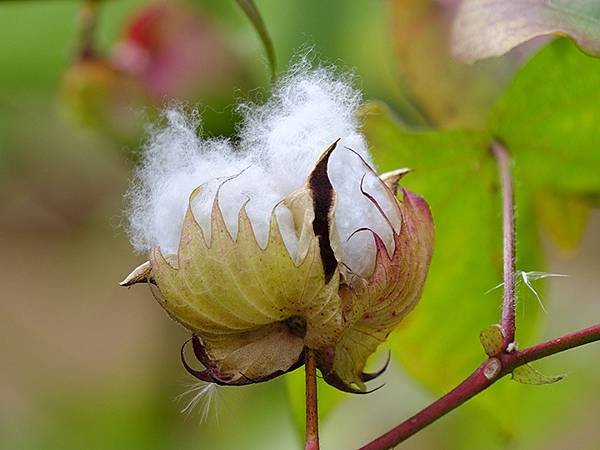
(508, 321)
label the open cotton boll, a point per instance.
(279, 144)
(175, 161)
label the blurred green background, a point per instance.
(88, 365)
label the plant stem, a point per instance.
(86, 24)
(553, 346)
(509, 359)
(253, 14)
(474, 384)
(312, 413)
(508, 322)
(483, 377)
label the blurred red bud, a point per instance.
(168, 51)
(177, 52)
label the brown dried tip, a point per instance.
(141, 274)
(392, 178)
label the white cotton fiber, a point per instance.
(279, 143)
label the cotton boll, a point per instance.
(254, 304)
(280, 142)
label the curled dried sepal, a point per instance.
(325, 362)
(211, 373)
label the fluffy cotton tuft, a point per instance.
(279, 143)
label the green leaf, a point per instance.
(564, 217)
(493, 27)
(492, 339)
(548, 119)
(455, 172)
(526, 374)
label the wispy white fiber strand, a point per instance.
(203, 394)
(526, 278)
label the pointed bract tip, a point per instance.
(141, 274)
(393, 177)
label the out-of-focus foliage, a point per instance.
(103, 97)
(564, 216)
(485, 28)
(449, 92)
(167, 52)
(548, 117)
(83, 368)
(178, 51)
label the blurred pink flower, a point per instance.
(177, 52)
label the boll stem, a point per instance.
(312, 413)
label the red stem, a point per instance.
(312, 413)
(553, 346)
(476, 383)
(483, 377)
(508, 322)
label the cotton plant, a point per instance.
(282, 242)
